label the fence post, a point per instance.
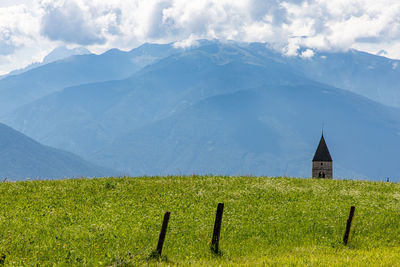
(163, 232)
(348, 225)
(217, 228)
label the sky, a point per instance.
(30, 29)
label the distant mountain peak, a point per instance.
(63, 52)
(59, 53)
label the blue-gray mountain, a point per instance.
(375, 77)
(226, 108)
(83, 119)
(272, 130)
(22, 158)
(18, 90)
(58, 53)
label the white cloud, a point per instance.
(80, 22)
(308, 53)
(70, 23)
(17, 26)
(295, 27)
(189, 42)
(20, 40)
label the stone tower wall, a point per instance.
(323, 167)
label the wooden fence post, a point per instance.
(163, 232)
(217, 228)
(348, 225)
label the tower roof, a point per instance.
(322, 153)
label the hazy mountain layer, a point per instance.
(375, 77)
(21, 158)
(82, 119)
(58, 53)
(273, 130)
(17, 90)
(222, 108)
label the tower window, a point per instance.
(322, 163)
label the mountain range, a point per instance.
(56, 54)
(18, 90)
(216, 108)
(22, 158)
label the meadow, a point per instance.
(266, 221)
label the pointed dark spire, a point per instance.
(322, 153)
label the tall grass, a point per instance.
(272, 221)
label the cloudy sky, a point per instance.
(30, 29)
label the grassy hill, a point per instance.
(272, 221)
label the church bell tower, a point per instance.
(322, 161)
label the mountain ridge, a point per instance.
(21, 157)
(271, 140)
(94, 119)
(114, 64)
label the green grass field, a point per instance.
(266, 221)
